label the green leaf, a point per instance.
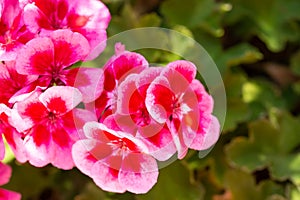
(241, 185)
(273, 21)
(242, 54)
(191, 13)
(174, 183)
(269, 145)
(295, 63)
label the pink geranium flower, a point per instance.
(133, 117)
(116, 162)
(5, 173)
(89, 17)
(12, 136)
(51, 58)
(12, 82)
(13, 32)
(49, 122)
(179, 100)
(116, 70)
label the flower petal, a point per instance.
(61, 99)
(6, 194)
(159, 99)
(89, 81)
(36, 58)
(138, 173)
(5, 172)
(206, 140)
(69, 47)
(128, 96)
(106, 177)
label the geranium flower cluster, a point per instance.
(113, 123)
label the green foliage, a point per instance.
(257, 155)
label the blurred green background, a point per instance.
(255, 45)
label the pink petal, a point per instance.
(15, 141)
(82, 157)
(28, 112)
(98, 131)
(206, 140)
(79, 119)
(11, 81)
(38, 146)
(89, 81)
(61, 99)
(97, 41)
(34, 19)
(128, 96)
(62, 148)
(146, 77)
(128, 63)
(138, 173)
(159, 99)
(6, 194)
(69, 47)
(178, 138)
(36, 58)
(119, 122)
(94, 29)
(5, 173)
(106, 177)
(158, 140)
(205, 100)
(185, 68)
(2, 148)
(9, 10)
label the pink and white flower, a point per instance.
(116, 161)
(176, 98)
(48, 121)
(119, 66)
(51, 58)
(133, 117)
(89, 18)
(5, 173)
(13, 32)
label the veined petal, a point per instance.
(61, 99)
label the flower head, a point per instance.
(51, 57)
(119, 66)
(115, 161)
(89, 18)
(180, 101)
(13, 32)
(49, 125)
